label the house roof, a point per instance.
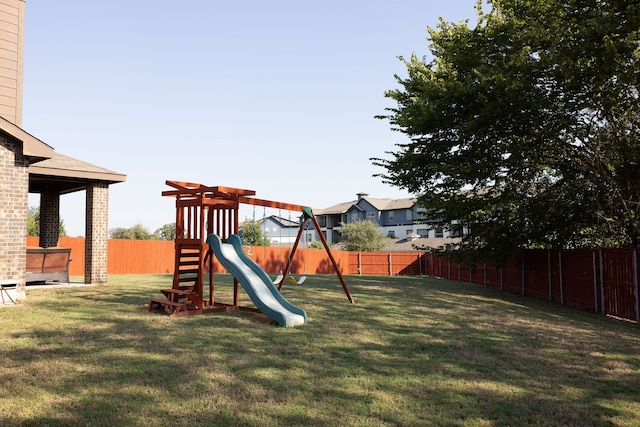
(335, 209)
(51, 171)
(32, 148)
(65, 174)
(279, 220)
(379, 204)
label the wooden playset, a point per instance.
(203, 210)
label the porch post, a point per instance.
(49, 219)
(97, 233)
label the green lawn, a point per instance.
(411, 352)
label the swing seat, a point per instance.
(299, 281)
(277, 280)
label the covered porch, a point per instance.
(60, 175)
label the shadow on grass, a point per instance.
(411, 351)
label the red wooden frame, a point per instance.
(202, 210)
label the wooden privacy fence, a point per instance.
(602, 280)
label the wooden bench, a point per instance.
(48, 264)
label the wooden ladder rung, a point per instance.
(186, 279)
(187, 270)
(175, 291)
(167, 302)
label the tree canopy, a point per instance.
(140, 232)
(526, 127)
(252, 234)
(362, 236)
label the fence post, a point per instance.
(635, 283)
(390, 265)
(522, 266)
(359, 263)
(602, 301)
(431, 266)
(549, 273)
(595, 282)
(484, 278)
(561, 281)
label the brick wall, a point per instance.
(14, 206)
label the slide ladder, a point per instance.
(185, 296)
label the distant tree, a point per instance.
(137, 232)
(166, 232)
(252, 234)
(316, 244)
(33, 223)
(362, 236)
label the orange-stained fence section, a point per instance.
(603, 280)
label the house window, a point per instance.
(354, 217)
(409, 231)
(409, 215)
(391, 234)
(423, 232)
(439, 232)
(390, 215)
(371, 216)
(456, 230)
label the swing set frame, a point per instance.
(203, 210)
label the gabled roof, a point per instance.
(335, 209)
(66, 174)
(390, 204)
(400, 204)
(279, 220)
(49, 170)
(379, 204)
(32, 148)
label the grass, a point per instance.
(412, 351)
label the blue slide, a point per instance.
(255, 282)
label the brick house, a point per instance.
(29, 165)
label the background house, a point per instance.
(27, 164)
(279, 231)
(398, 219)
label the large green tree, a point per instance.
(526, 127)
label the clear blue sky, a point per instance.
(273, 96)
